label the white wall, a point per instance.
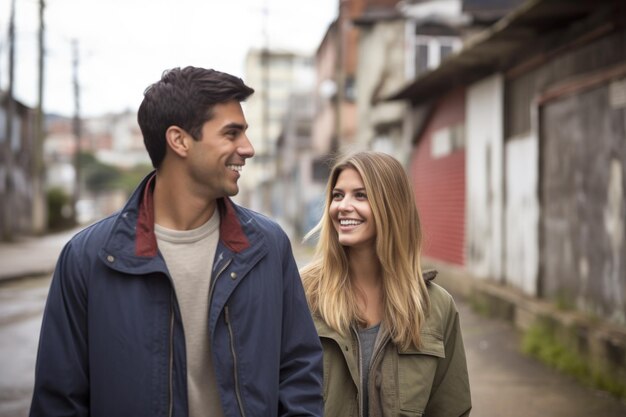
(522, 213)
(484, 178)
(379, 74)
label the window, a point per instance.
(421, 58)
(445, 50)
(303, 130)
(320, 170)
(430, 51)
(447, 140)
(3, 124)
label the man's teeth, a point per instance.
(234, 167)
(348, 222)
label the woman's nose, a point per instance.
(345, 204)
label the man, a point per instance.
(183, 303)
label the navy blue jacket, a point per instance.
(112, 341)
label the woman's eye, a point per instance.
(337, 196)
(361, 195)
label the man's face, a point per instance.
(215, 161)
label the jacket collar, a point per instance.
(325, 331)
(348, 344)
(231, 231)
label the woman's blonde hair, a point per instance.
(326, 279)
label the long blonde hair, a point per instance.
(326, 279)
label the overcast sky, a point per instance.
(124, 45)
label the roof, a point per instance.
(4, 98)
(370, 17)
(489, 10)
(500, 46)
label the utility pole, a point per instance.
(265, 67)
(77, 130)
(39, 218)
(340, 68)
(7, 209)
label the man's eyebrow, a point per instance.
(234, 125)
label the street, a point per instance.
(21, 307)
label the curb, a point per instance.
(25, 274)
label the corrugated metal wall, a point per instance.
(582, 160)
(439, 183)
(583, 201)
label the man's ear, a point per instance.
(177, 140)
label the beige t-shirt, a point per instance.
(189, 257)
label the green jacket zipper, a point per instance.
(360, 362)
(378, 349)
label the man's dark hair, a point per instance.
(184, 98)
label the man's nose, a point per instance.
(245, 148)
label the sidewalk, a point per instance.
(600, 345)
(506, 383)
(32, 256)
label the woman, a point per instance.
(391, 337)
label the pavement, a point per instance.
(29, 256)
(504, 382)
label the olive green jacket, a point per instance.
(431, 381)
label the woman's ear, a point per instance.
(177, 140)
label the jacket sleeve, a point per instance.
(62, 372)
(450, 395)
(301, 354)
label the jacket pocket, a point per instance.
(416, 372)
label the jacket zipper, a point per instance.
(374, 362)
(232, 351)
(171, 359)
(222, 269)
(360, 361)
(375, 356)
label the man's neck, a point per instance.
(177, 208)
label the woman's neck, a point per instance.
(367, 281)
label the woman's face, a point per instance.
(351, 212)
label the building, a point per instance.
(545, 104)
(114, 140)
(298, 194)
(17, 169)
(275, 75)
(399, 41)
